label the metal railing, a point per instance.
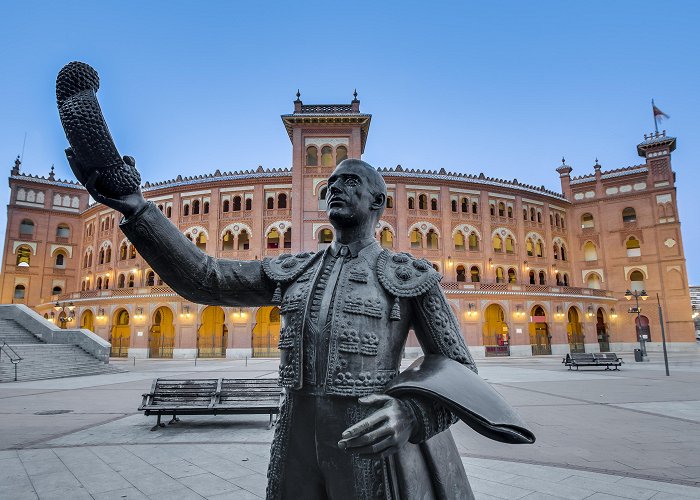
(11, 354)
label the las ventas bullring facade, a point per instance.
(528, 271)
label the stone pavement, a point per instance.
(601, 435)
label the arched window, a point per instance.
(422, 202)
(461, 273)
(288, 238)
(270, 203)
(637, 281)
(201, 242)
(593, 281)
(389, 202)
(532, 215)
(24, 256)
(205, 207)
(186, 210)
(341, 153)
(325, 236)
(20, 291)
(539, 216)
(160, 207)
(530, 248)
(312, 156)
(524, 213)
(57, 290)
(543, 278)
(510, 212)
(475, 208)
(236, 203)
(539, 252)
(555, 251)
(327, 156)
(551, 220)
(120, 281)
(510, 244)
(563, 252)
(531, 276)
(248, 204)
(501, 209)
(497, 243)
(432, 239)
(282, 200)
(62, 231)
(131, 280)
(243, 240)
(106, 282)
(500, 277)
(150, 278)
(492, 209)
(169, 211)
(322, 193)
(416, 239)
(122, 251)
(273, 239)
(458, 240)
(98, 283)
(587, 221)
(411, 203)
(590, 252)
(475, 274)
(563, 226)
(558, 278)
(226, 206)
(101, 259)
(633, 248)
(556, 220)
(386, 238)
(433, 204)
(227, 241)
(465, 206)
(108, 255)
(473, 241)
(512, 277)
(195, 207)
(60, 260)
(132, 252)
(566, 279)
(629, 215)
(26, 228)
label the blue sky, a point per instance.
(504, 88)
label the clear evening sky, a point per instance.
(504, 88)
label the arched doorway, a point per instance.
(266, 333)
(495, 332)
(161, 336)
(120, 334)
(574, 330)
(87, 321)
(212, 335)
(540, 340)
(602, 330)
(642, 324)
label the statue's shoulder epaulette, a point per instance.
(405, 276)
(287, 267)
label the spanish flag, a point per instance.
(658, 114)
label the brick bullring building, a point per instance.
(527, 270)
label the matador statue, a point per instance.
(351, 426)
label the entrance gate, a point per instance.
(602, 331)
(266, 333)
(88, 321)
(120, 334)
(495, 332)
(212, 334)
(161, 336)
(574, 331)
(540, 341)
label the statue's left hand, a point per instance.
(384, 431)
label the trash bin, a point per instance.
(638, 355)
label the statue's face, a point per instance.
(349, 198)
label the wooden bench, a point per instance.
(606, 359)
(211, 397)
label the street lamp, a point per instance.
(632, 310)
(64, 317)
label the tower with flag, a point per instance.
(658, 116)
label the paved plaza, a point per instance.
(631, 434)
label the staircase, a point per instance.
(43, 361)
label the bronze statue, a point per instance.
(350, 426)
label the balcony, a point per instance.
(451, 286)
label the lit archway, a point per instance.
(495, 332)
(120, 336)
(87, 320)
(266, 333)
(574, 331)
(212, 335)
(540, 340)
(161, 336)
(602, 331)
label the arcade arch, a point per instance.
(495, 332)
(574, 331)
(212, 335)
(540, 339)
(161, 335)
(120, 334)
(266, 333)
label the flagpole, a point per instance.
(656, 124)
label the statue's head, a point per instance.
(356, 193)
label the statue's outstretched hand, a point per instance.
(383, 432)
(129, 204)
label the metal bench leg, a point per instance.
(158, 424)
(269, 426)
(173, 420)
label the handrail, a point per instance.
(9, 351)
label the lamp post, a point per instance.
(64, 317)
(637, 295)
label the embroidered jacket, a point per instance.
(379, 297)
